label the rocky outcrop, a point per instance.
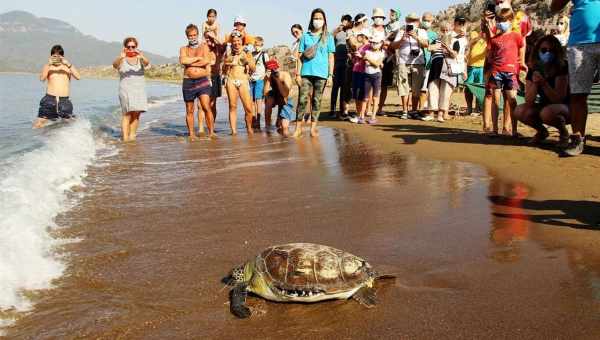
(539, 12)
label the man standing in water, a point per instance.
(197, 61)
(58, 72)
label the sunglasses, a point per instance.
(131, 47)
(545, 50)
(239, 23)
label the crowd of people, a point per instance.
(539, 82)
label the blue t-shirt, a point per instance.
(585, 22)
(319, 65)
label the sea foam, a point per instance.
(33, 191)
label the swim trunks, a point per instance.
(194, 88)
(52, 107)
(287, 111)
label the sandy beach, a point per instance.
(488, 239)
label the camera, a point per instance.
(415, 53)
(410, 28)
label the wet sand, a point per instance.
(470, 259)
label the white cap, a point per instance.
(239, 20)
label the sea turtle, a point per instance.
(302, 272)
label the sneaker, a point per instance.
(404, 115)
(414, 115)
(372, 121)
(427, 118)
(353, 119)
(361, 121)
(575, 146)
(539, 137)
(344, 116)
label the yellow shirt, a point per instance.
(477, 54)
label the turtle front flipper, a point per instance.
(237, 301)
(366, 297)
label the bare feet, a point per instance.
(314, 132)
(233, 132)
(192, 138)
(298, 133)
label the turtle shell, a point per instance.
(312, 267)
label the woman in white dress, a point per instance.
(131, 65)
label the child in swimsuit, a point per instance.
(211, 25)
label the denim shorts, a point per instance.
(257, 88)
(505, 81)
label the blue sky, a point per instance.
(160, 24)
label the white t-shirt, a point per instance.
(375, 56)
(403, 52)
(461, 58)
(260, 71)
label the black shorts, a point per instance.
(194, 88)
(216, 90)
(387, 74)
(52, 108)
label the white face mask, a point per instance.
(378, 21)
(318, 23)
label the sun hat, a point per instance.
(412, 16)
(378, 12)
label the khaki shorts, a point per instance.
(410, 78)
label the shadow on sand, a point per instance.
(560, 213)
(412, 133)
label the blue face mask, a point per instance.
(503, 26)
(546, 57)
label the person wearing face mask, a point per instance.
(427, 25)
(562, 30)
(339, 70)
(196, 60)
(441, 81)
(388, 72)
(505, 56)
(372, 55)
(257, 82)
(409, 44)
(459, 36)
(582, 52)
(394, 24)
(547, 91)
(315, 66)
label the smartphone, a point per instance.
(410, 28)
(491, 7)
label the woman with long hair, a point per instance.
(314, 67)
(238, 66)
(547, 91)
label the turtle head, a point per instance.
(241, 274)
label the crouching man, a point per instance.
(278, 85)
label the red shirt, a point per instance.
(504, 52)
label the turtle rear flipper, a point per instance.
(366, 297)
(237, 301)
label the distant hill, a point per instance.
(26, 40)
